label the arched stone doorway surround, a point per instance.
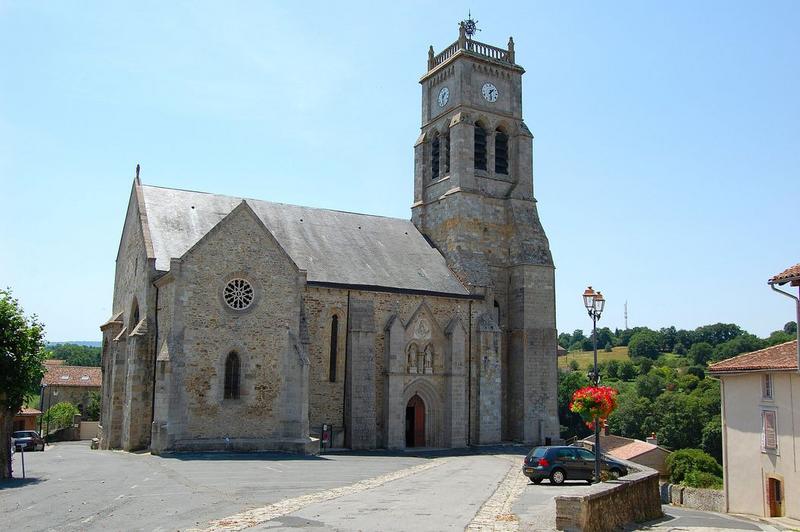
(433, 409)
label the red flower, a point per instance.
(594, 402)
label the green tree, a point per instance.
(612, 369)
(650, 385)
(700, 353)
(743, 343)
(697, 371)
(60, 416)
(779, 337)
(627, 419)
(645, 365)
(568, 382)
(21, 356)
(687, 383)
(790, 327)
(564, 340)
(75, 355)
(644, 344)
(93, 408)
(678, 420)
(573, 365)
(684, 461)
(627, 371)
(712, 438)
(717, 333)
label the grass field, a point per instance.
(586, 358)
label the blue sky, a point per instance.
(667, 136)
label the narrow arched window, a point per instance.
(435, 154)
(480, 147)
(232, 376)
(334, 347)
(134, 316)
(447, 154)
(500, 152)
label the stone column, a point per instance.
(395, 364)
(455, 422)
(533, 409)
(489, 373)
(360, 426)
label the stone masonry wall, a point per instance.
(264, 336)
(327, 399)
(608, 506)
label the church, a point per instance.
(243, 324)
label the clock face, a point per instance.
(444, 95)
(489, 92)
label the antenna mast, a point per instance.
(626, 315)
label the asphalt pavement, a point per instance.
(71, 487)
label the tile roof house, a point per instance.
(26, 419)
(72, 384)
(760, 429)
(647, 453)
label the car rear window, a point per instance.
(538, 452)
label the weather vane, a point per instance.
(470, 25)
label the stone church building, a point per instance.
(247, 324)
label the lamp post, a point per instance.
(594, 303)
(41, 406)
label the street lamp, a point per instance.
(41, 406)
(594, 303)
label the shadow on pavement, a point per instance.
(13, 483)
(232, 456)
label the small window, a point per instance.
(334, 348)
(766, 386)
(435, 156)
(769, 434)
(480, 147)
(500, 152)
(232, 376)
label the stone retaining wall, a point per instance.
(698, 498)
(609, 505)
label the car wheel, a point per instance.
(557, 476)
(536, 480)
(615, 473)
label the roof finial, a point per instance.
(470, 25)
(137, 170)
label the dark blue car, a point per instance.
(560, 463)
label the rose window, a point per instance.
(238, 294)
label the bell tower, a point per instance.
(473, 198)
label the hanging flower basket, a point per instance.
(594, 402)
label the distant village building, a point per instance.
(71, 384)
(647, 453)
(245, 324)
(761, 425)
(27, 419)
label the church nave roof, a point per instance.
(333, 247)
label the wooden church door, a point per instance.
(415, 422)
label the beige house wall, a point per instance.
(747, 468)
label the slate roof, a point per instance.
(332, 246)
(789, 274)
(781, 357)
(84, 376)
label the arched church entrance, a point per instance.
(415, 422)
